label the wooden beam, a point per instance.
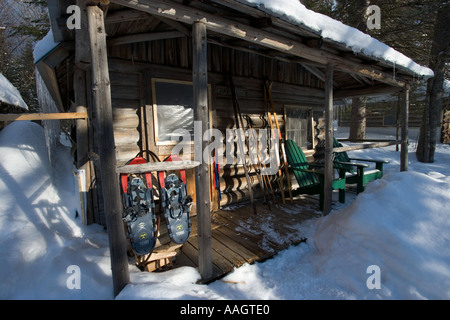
(201, 115)
(328, 169)
(101, 92)
(319, 74)
(82, 56)
(125, 15)
(362, 146)
(84, 165)
(58, 55)
(189, 15)
(372, 90)
(43, 116)
(158, 166)
(176, 25)
(54, 13)
(82, 143)
(51, 82)
(144, 37)
(405, 142)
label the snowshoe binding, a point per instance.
(139, 213)
(175, 204)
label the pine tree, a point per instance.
(411, 27)
(34, 23)
(22, 23)
(439, 57)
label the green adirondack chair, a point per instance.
(355, 172)
(310, 181)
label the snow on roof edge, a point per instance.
(359, 42)
(44, 46)
(10, 94)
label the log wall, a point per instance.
(126, 101)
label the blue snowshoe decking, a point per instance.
(176, 203)
(139, 213)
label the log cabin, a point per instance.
(140, 69)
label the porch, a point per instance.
(239, 236)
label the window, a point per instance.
(172, 109)
(299, 126)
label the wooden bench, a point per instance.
(346, 168)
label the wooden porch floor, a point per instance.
(239, 236)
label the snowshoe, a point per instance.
(175, 204)
(139, 213)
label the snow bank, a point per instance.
(10, 95)
(39, 234)
(295, 12)
(401, 224)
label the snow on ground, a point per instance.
(39, 234)
(400, 224)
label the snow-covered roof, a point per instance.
(332, 30)
(44, 46)
(9, 94)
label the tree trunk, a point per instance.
(440, 51)
(358, 120)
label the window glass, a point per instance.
(298, 126)
(173, 103)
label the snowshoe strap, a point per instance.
(124, 176)
(162, 174)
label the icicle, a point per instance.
(52, 128)
(394, 71)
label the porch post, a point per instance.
(329, 174)
(101, 92)
(82, 126)
(200, 86)
(404, 146)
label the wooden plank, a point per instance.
(43, 116)
(246, 217)
(368, 146)
(239, 249)
(252, 250)
(328, 158)
(201, 115)
(125, 15)
(372, 90)
(158, 166)
(279, 223)
(101, 93)
(144, 37)
(182, 259)
(194, 227)
(81, 105)
(82, 140)
(250, 241)
(404, 146)
(220, 265)
(233, 257)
